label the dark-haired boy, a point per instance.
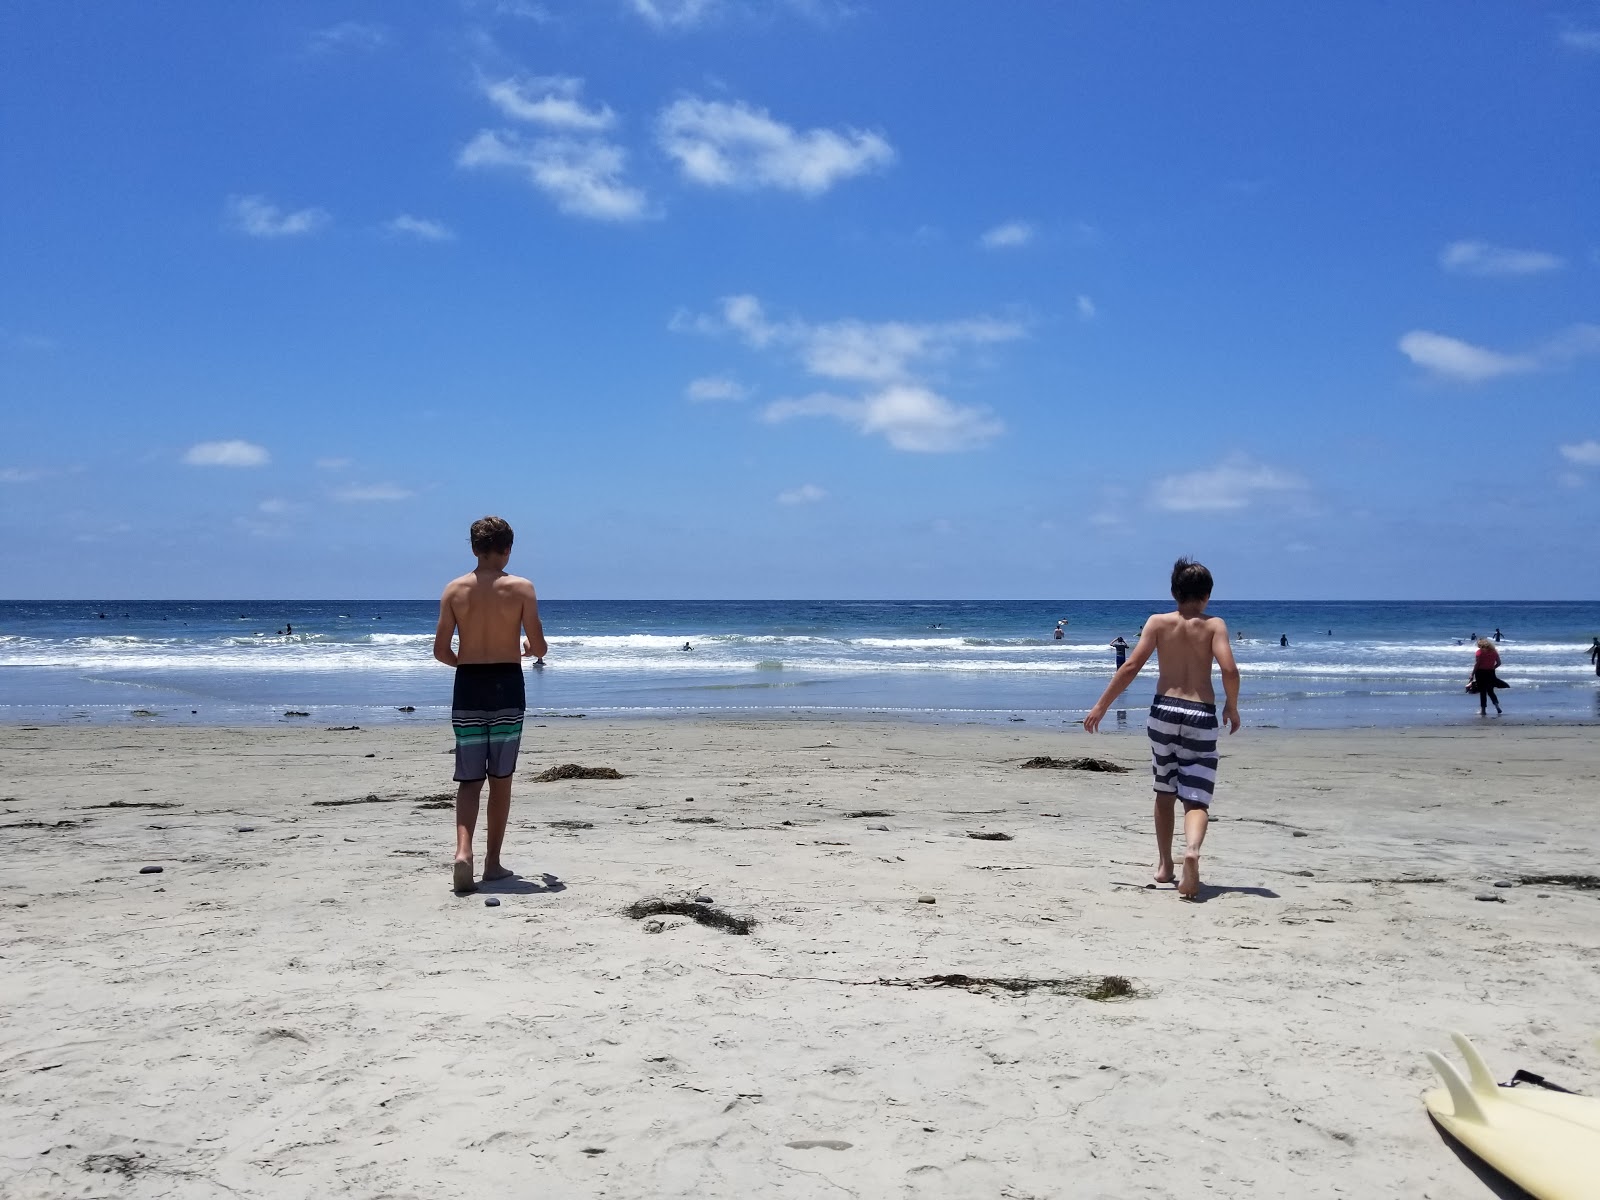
(1183, 716)
(488, 609)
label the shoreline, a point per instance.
(298, 995)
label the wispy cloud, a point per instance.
(806, 493)
(372, 493)
(1482, 258)
(231, 453)
(1587, 40)
(584, 178)
(674, 14)
(1007, 236)
(358, 36)
(1585, 454)
(1452, 358)
(721, 144)
(885, 359)
(332, 464)
(715, 387)
(255, 216)
(549, 100)
(1234, 485)
(1086, 309)
(420, 228)
(17, 339)
(22, 474)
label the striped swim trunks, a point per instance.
(486, 712)
(1183, 748)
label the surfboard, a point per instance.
(1548, 1143)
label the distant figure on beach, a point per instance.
(1121, 647)
(488, 609)
(1283, 640)
(288, 630)
(1183, 717)
(1497, 635)
(1060, 633)
(1484, 681)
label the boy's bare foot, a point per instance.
(461, 876)
(490, 874)
(1189, 885)
(1164, 874)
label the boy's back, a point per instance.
(490, 611)
(1186, 646)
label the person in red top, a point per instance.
(1484, 679)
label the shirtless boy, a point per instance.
(1183, 717)
(489, 610)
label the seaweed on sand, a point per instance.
(1090, 987)
(1584, 883)
(1045, 762)
(371, 798)
(705, 914)
(991, 837)
(574, 771)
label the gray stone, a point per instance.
(150, 870)
(491, 901)
(1504, 883)
(926, 900)
(1490, 896)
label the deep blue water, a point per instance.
(1347, 663)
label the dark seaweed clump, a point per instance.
(991, 837)
(715, 918)
(1045, 762)
(1105, 987)
(574, 771)
(1584, 883)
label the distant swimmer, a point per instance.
(1121, 647)
(686, 646)
(1283, 640)
(289, 629)
(1497, 633)
(1060, 633)
(1594, 655)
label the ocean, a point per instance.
(360, 662)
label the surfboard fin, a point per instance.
(1478, 1072)
(1462, 1100)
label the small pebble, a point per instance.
(372, 756)
(1299, 833)
(491, 901)
(879, 828)
(1542, 895)
(247, 829)
(702, 899)
(1504, 883)
(1492, 896)
(926, 900)
(150, 870)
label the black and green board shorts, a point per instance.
(486, 712)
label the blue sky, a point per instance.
(797, 298)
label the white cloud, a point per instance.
(347, 35)
(1571, 479)
(1454, 359)
(806, 493)
(232, 453)
(21, 474)
(909, 417)
(1585, 454)
(584, 178)
(332, 464)
(884, 358)
(422, 228)
(368, 493)
(1581, 39)
(255, 216)
(1086, 309)
(276, 506)
(1481, 258)
(719, 144)
(549, 100)
(1011, 234)
(673, 14)
(1227, 488)
(715, 387)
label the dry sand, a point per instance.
(305, 1009)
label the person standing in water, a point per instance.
(1183, 717)
(1484, 680)
(1594, 655)
(488, 609)
(1121, 647)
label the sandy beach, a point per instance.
(297, 1005)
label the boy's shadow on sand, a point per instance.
(1208, 891)
(1497, 1183)
(516, 885)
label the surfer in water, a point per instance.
(1183, 717)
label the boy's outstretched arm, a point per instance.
(1222, 651)
(533, 645)
(1125, 675)
(442, 649)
